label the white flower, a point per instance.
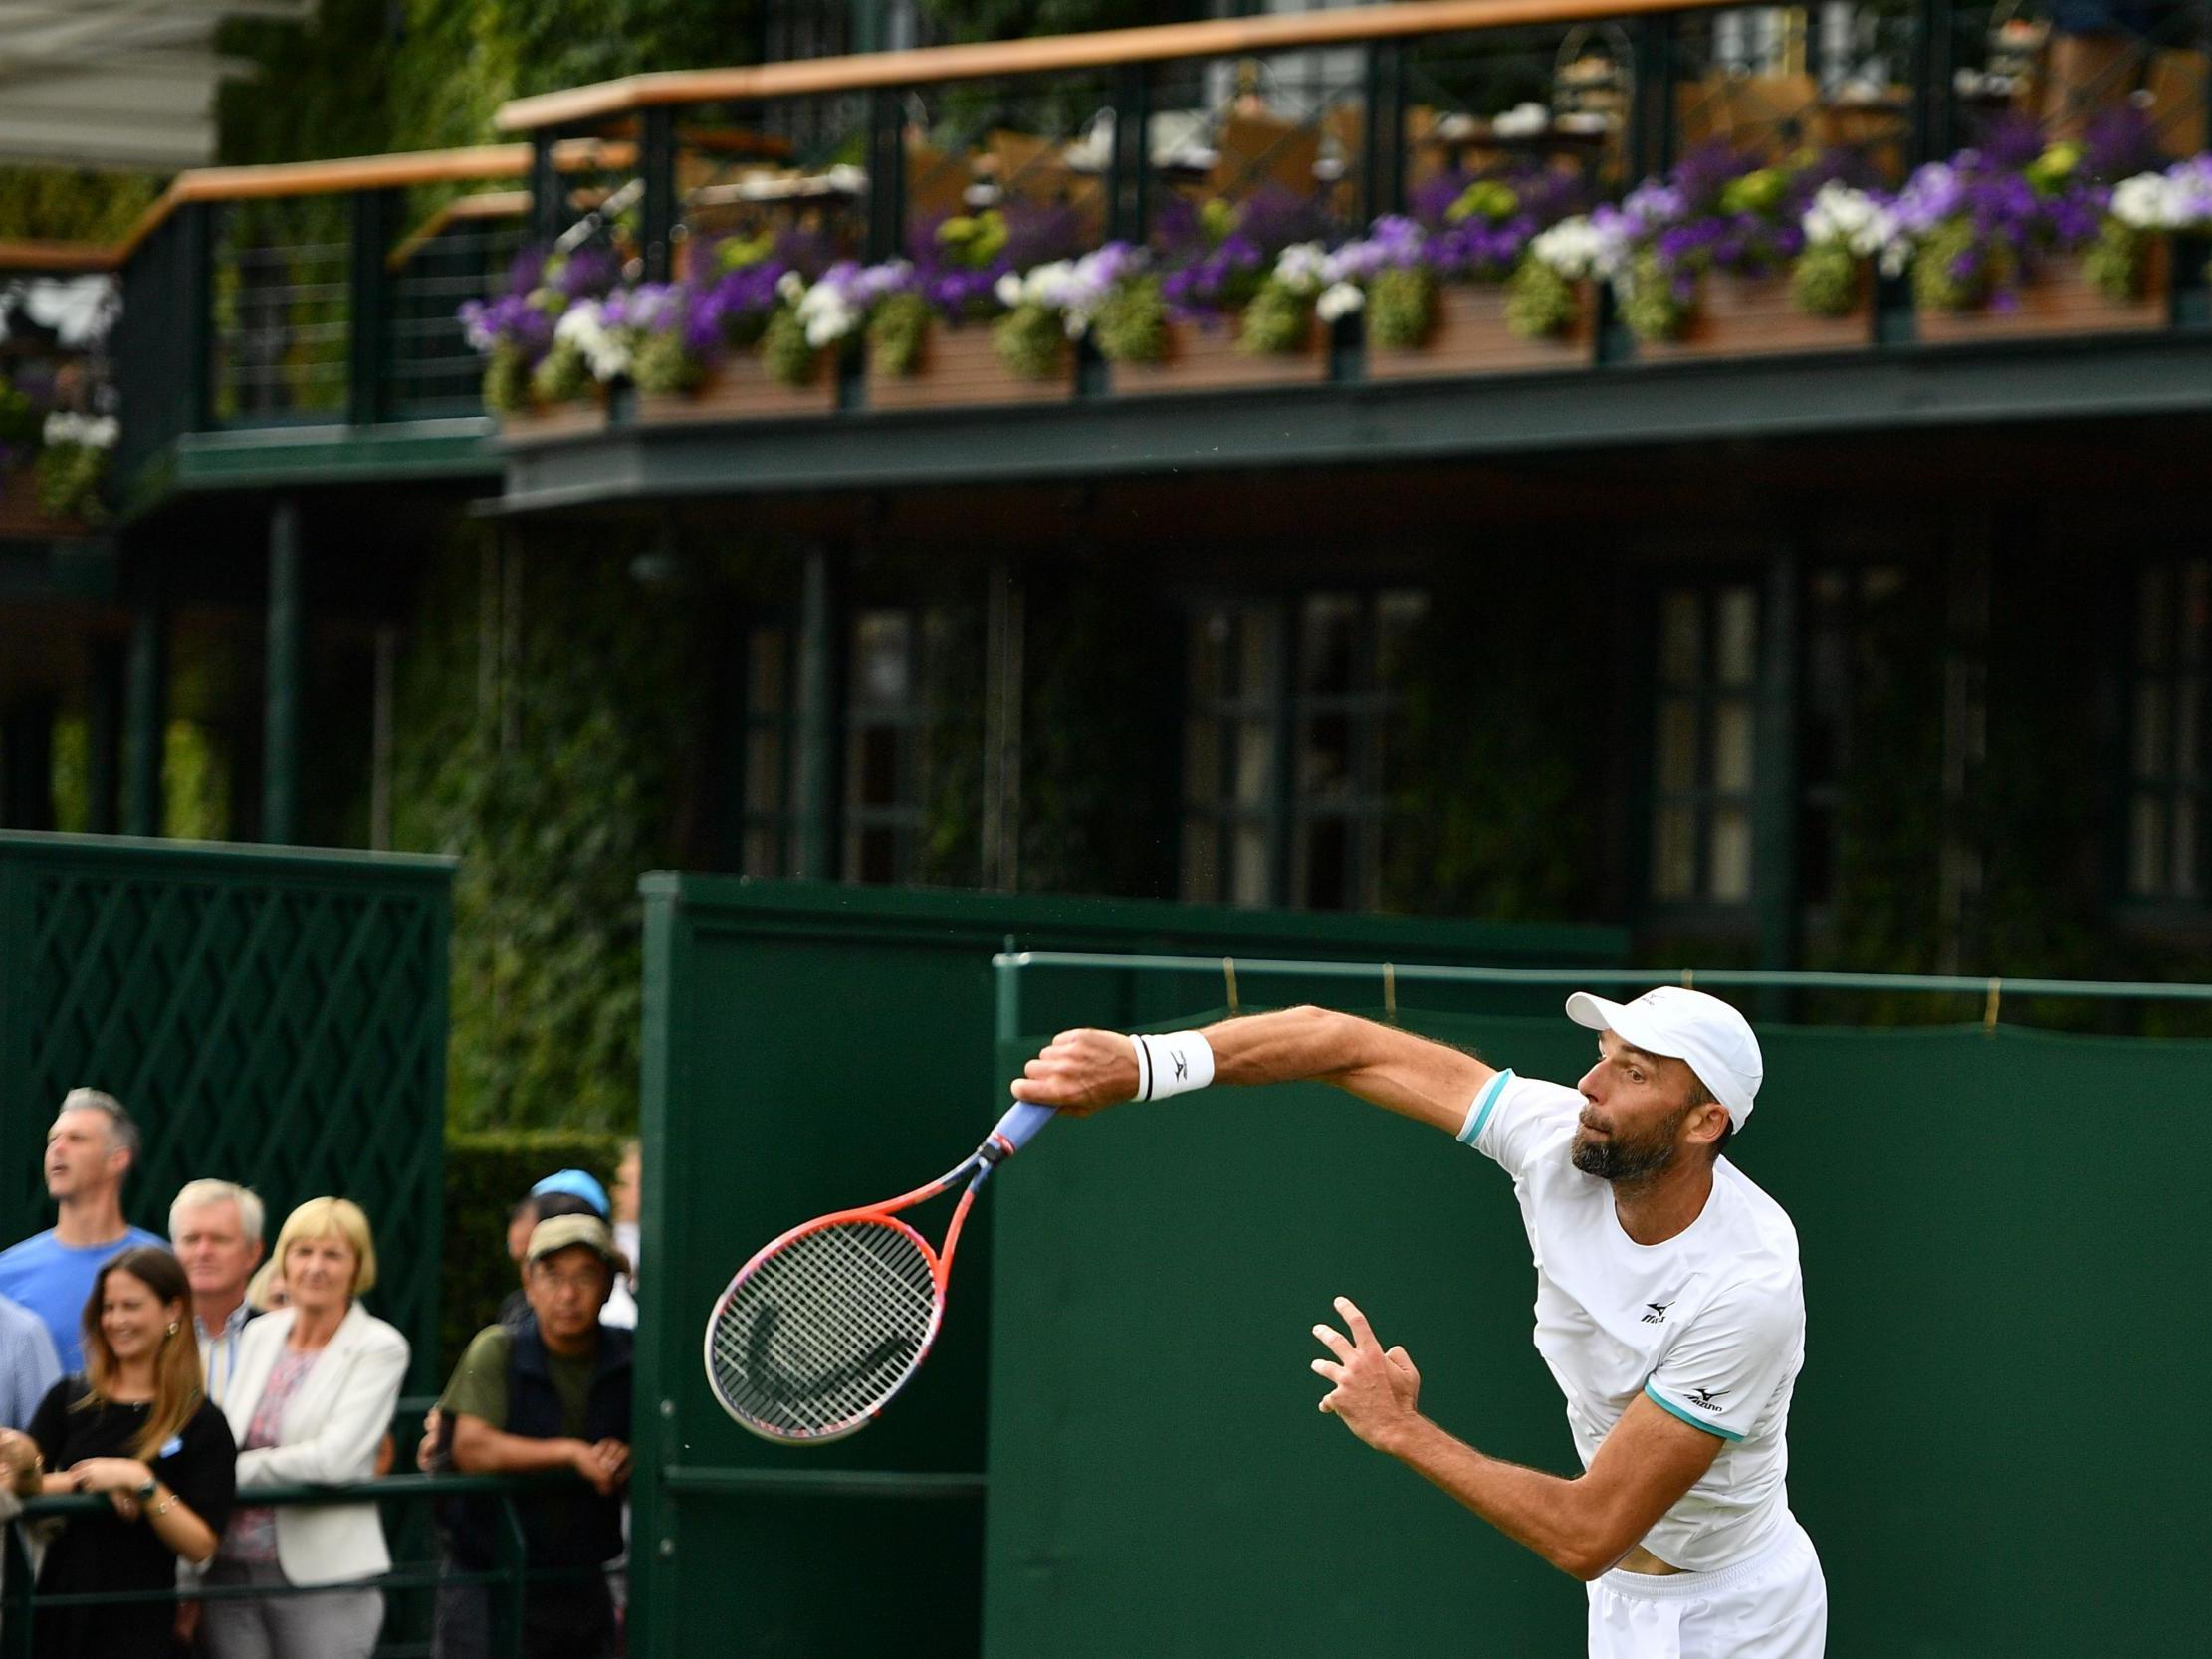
(1301, 267)
(92, 431)
(1008, 291)
(102, 430)
(1843, 217)
(1339, 299)
(605, 351)
(2145, 202)
(1575, 248)
(1523, 120)
(790, 287)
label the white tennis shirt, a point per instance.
(1709, 1325)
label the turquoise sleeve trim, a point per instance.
(1485, 1104)
(1669, 1406)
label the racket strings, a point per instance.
(822, 1330)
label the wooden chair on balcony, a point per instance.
(1255, 150)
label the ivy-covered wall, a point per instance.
(547, 704)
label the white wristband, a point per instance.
(1173, 1064)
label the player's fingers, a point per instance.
(1336, 1343)
(1362, 1333)
(1328, 1368)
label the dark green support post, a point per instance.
(1774, 814)
(1934, 106)
(27, 763)
(195, 246)
(15, 1596)
(886, 174)
(818, 719)
(547, 212)
(657, 213)
(103, 700)
(510, 1595)
(280, 744)
(1383, 141)
(368, 340)
(1129, 170)
(1652, 111)
(147, 699)
(1282, 779)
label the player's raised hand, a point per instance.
(1377, 1393)
(1080, 1072)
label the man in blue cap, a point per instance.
(564, 1192)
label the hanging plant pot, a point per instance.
(1755, 317)
(1208, 359)
(740, 387)
(1468, 334)
(961, 369)
(2059, 301)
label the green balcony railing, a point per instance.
(324, 296)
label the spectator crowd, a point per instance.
(176, 1378)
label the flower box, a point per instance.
(1208, 360)
(1467, 335)
(961, 369)
(1754, 317)
(553, 420)
(2059, 300)
(21, 517)
(740, 387)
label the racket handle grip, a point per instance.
(1021, 1123)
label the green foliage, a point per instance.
(1276, 321)
(896, 329)
(69, 480)
(1401, 307)
(1104, 679)
(1486, 199)
(1825, 281)
(1132, 325)
(1649, 306)
(973, 240)
(1755, 192)
(2114, 262)
(486, 1176)
(1936, 285)
(545, 707)
(1489, 787)
(1031, 342)
(785, 350)
(20, 423)
(1540, 303)
(506, 380)
(62, 204)
(563, 376)
(664, 365)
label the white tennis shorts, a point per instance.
(1772, 1606)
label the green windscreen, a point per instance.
(1996, 1442)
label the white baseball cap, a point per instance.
(1687, 1025)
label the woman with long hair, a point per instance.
(137, 1429)
(313, 1392)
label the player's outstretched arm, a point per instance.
(1085, 1070)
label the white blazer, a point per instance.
(332, 1428)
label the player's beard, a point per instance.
(1621, 1158)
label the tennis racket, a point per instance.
(826, 1324)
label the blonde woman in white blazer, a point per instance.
(310, 1400)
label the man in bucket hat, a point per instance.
(1669, 1302)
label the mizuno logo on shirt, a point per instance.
(1657, 1315)
(1705, 1399)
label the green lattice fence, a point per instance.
(271, 1017)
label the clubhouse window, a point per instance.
(2166, 733)
(1704, 742)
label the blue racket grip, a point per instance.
(1022, 1121)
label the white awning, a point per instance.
(118, 83)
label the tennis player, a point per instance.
(1668, 1304)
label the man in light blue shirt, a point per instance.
(29, 1367)
(89, 1152)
